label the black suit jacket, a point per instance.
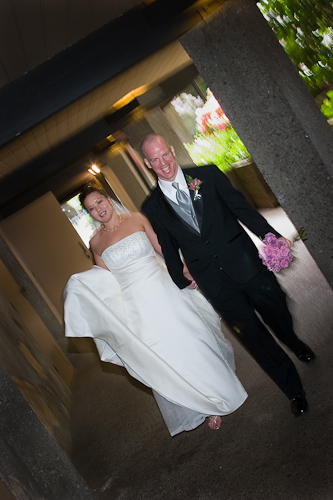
(223, 245)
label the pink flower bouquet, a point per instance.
(275, 254)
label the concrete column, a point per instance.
(32, 463)
(275, 115)
(124, 178)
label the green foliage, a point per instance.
(304, 28)
(222, 147)
(301, 234)
(327, 106)
(215, 140)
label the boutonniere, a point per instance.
(194, 185)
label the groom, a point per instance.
(202, 223)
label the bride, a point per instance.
(169, 339)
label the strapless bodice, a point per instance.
(130, 258)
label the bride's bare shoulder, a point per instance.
(95, 239)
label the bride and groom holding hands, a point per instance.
(184, 357)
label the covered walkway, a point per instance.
(122, 448)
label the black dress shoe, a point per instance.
(305, 354)
(299, 405)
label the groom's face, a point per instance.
(161, 158)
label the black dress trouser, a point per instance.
(237, 303)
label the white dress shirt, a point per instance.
(169, 191)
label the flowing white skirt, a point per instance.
(167, 338)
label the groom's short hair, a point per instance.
(150, 138)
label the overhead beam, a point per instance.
(49, 171)
(92, 61)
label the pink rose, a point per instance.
(276, 251)
(275, 254)
(269, 238)
(266, 250)
(284, 250)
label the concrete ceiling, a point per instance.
(71, 73)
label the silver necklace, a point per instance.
(115, 227)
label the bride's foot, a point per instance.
(214, 422)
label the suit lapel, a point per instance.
(198, 208)
(199, 203)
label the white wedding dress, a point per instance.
(169, 339)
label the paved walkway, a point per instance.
(261, 452)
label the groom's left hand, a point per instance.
(288, 243)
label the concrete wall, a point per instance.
(34, 375)
(35, 326)
(33, 463)
(44, 240)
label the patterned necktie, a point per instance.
(185, 204)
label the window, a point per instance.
(81, 220)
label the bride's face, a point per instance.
(98, 206)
